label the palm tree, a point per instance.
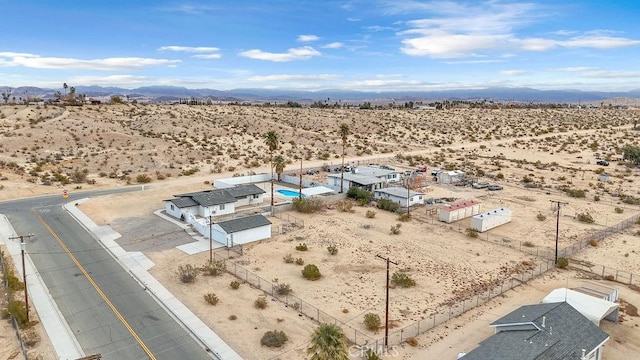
(344, 133)
(271, 140)
(328, 343)
(279, 163)
(65, 86)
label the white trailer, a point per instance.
(459, 211)
(491, 219)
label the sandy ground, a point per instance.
(534, 154)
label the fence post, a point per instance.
(602, 271)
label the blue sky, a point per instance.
(373, 45)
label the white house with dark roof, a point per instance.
(369, 183)
(553, 331)
(213, 202)
(242, 230)
(400, 195)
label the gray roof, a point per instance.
(373, 171)
(522, 336)
(244, 223)
(358, 179)
(240, 191)
(183, 202)
(398, 191)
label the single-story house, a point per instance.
(381, 173)
(553, 331)
(400, 195)
(591, 307)
(241, 230)
(459, 211)
(450, 177)
(369, 183)
(213, 202)
(488, 220)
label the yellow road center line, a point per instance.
(102, 295)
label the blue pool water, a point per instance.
(289, 193)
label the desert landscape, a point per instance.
(541, 157)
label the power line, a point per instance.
(386, 315)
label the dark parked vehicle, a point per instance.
(494, 187)
(602, 162)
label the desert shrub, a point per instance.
(386, 204)
(233, 317)
(260, 302)
(311, 272)
(143, 179)
(541, 217)
(308, 205)
(404, 217)
(619, 210)
(296, 306)
(332, 249)
(345, 206)
(395, 229)
(299, 261)
(234, 285)
(593, 243)
(609, 277)
(563, 262)
(499, 176)
(402, 279)
(274, 338)
(472, 233)
(585, 218)
(215, 268)
(361, 195)
(370, 214)
(283, 289)
(412, 341)
(371, 355)
(528, 244)
(302, 247)
(31, 338)
(187, 273)
(576, 193)
(630, 200)
(288, 259)
(13, 281)
(18, 311)
(211, 298)
(372, 321)
(596, 198)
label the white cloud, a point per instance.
(333, 45)
(512, 72)
(284, 77)
(308, 38)
(612, 74)
(301, 53)
(111, 80)
(599, 42)
(189, 49)
(207, 56)
(107, 64)
(534, 44)
(438, 44)
(575, 68)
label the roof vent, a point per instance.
(544, 321)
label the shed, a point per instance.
(242, 230)
(593, 308)
(400, 195)
(450, 177)
(459, 211)
(489, 220)
(604, 177)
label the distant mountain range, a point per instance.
(173, 93)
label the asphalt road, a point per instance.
(109, 312)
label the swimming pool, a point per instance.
(289, 193)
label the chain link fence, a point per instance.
(9, 299)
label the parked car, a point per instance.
(421, 169)
(602, 162)
(494, 187)
(480, 185)
(435, 171)
(387, 167)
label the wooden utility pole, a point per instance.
(386, 311)
(24, 270)
(557, 226)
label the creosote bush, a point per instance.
(211, 298)
(541, 217)
(283, 289)
(370, 214)
(299, 261)
(274, 338)
(308, 205)
(395, 229)
(528, 244)
(215, 268)
(311, 272)
(302, 247)
(593, 243)
(412, 341)
(288, 259)
(404, 217)
(360, 195)
(345, 206)
(234, 285)
(386, 204)
(472, 233)
(563, 262)
(187, 273)
(372, 321)
(619, 210)
(585, 218)
(402, 279)
(261, 302)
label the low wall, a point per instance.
(233, 181)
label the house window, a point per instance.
(172, 208)
(221, 206)
(255, 196)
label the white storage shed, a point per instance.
(591, 307)
(459, 211)
(242, 230)
(491, 219)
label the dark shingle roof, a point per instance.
(244, 223)
(183, 202)
(564, 334)
(214, 197)
(240, 191)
